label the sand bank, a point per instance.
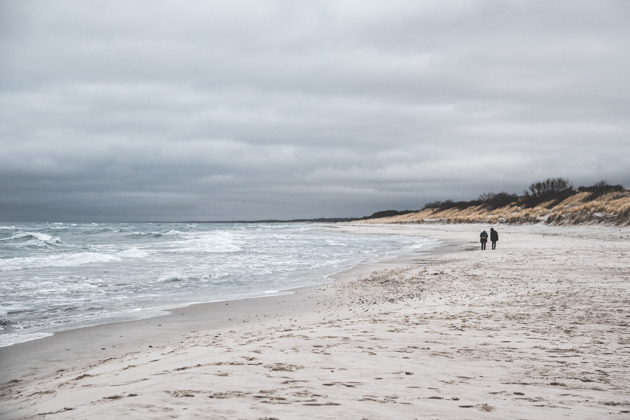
(537, 329)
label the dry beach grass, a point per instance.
(537, 329)
(611, 208)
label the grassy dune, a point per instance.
(612, 208)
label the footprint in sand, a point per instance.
(283, 367)
(346, 384)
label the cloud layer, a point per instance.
(181, 110)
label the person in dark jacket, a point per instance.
(483, 238)
(494, 237)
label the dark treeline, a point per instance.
(389, 213)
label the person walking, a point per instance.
(494, 237)
(483, 238)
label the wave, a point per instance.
(37, 235)
(56, 260)
(153, 234)
(133, 253)
(143, 235)
(32, 240)
(215, 242)
(73, 259)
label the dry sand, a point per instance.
(538, 329)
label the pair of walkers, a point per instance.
(494, 237)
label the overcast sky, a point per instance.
(221, 110)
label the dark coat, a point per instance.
(494, 236)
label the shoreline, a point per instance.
(535, 329)
(163, 308)
(63, 346)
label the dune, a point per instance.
(572, 208)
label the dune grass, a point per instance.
(579, 207)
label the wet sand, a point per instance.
(539, 328)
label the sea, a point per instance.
(60, 276)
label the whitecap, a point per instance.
(39, 238)
(56, 260)
(133, 253)
(172, 278)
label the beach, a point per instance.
(537, 329)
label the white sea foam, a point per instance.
(60, 260)
(43, 237)
(171, 277)
(30, 241)
(216, 242)
(133, 253)
(13, 338)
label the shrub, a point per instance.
(487, 197)
(556, 189)
(432, 205)
(600, 188)
(495, 201)
(549, 186)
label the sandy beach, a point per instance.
(537, 329)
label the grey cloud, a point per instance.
(278, 109)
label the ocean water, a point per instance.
(58, 276)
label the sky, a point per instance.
(126, 110)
